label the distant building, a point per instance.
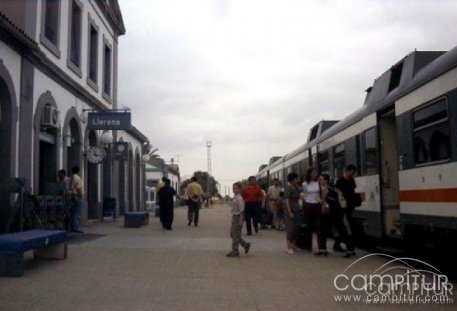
(157, 169)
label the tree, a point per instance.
(202, 179)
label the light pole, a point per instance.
(208, 145)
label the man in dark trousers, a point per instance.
(253, 196)
(194, 192)
(346, 184)
(166, 195)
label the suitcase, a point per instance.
(303, 238)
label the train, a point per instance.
(403, 140)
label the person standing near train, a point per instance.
(346, 184)
(272, 199)
(333, 215)
(253, 198)
(312, 211)
(292, 211)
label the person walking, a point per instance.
(194, 192)
(333, 217)
(346, 184)
(253, 196)
(166, 195)
(312, 211)
(272, 198)
(292, 211)
(237, 212)
(77, 194)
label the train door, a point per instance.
(389, 179)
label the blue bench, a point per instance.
(49, 244)
(136, 219)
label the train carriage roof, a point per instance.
(411, 72)
(417, 68)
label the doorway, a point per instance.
(389, 178)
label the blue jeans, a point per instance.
(76, 213)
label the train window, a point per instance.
(432, 144)
(314, 132)
(339, 160)
(371, 152)
(323, 162)
(430, 114)
(395, 77)
(431, 134)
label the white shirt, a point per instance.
(311, 191)
(237, 205)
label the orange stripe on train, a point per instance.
(429, 195)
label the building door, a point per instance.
(48, 163)
(73, 145)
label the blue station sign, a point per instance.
(103, 120)
(120, 150)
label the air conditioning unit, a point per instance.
(50, 117)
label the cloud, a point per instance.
(253, 76)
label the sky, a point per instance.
(253, 76)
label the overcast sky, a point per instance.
(253, 76)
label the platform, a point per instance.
(184, 269)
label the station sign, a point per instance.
(103, 120)
(120, 150)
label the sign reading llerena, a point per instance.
(109, 120)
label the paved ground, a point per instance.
(184, 269)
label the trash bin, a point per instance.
(109, 207)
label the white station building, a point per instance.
(58, 64)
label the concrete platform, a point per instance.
(184, 269)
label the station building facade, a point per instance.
(59, 61)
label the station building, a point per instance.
(58, 63)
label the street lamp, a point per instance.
(106, 138)
(145, 158)
(208, 145)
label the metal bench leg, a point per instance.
(11, 264)
(56, 251)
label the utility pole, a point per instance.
(208, 145)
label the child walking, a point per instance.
(237, 222)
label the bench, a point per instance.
(136, 219)
(49, 244)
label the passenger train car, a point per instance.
(404, 142)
